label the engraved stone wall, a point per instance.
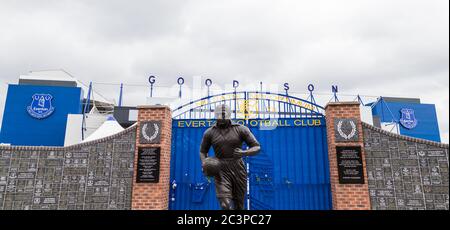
(92, 175)
(405, 173)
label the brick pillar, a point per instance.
(154, 196)
(346, 196)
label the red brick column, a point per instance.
(154, 196)
(346, 196)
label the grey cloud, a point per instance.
(369, 47)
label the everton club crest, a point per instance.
(408, 120)
(41, 106)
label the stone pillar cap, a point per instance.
(342, 103)
(153, 107)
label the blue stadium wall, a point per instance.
(19, 128)
(427, 124)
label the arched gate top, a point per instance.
(250, 105)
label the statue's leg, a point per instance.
(226, 203)
(239, 185)
(239, 194)
(224, 193)
(238, 204)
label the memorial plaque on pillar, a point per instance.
(345, 130)
(148, 165)
(350, 165)
(150, 132)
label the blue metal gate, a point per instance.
(291, 172)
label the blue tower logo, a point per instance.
(41, 106)
(408, 119)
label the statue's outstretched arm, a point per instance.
(205, 146)
(203, 156)
(250, 140)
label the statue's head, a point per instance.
(222, 113)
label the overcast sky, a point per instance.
(389, 48)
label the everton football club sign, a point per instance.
(408, 119)
(41, 106)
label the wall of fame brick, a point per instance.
(406, 173)
(95, 175)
